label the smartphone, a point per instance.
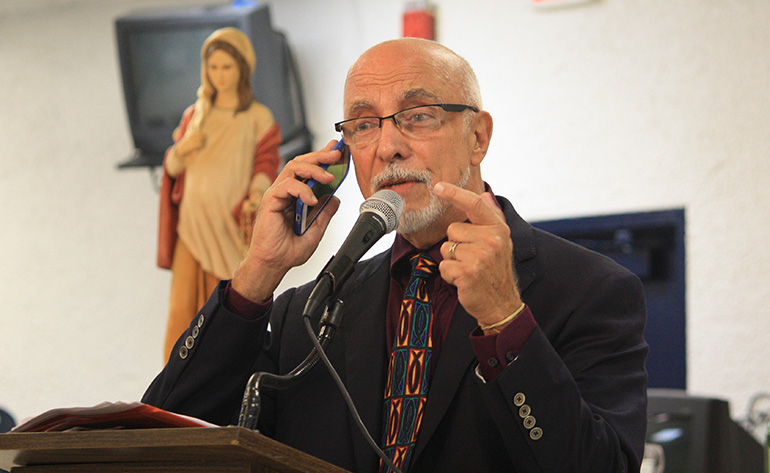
(305, 215)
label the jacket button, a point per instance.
(189, 342)
(536, 433)
(524, 411)
(195, 331)
(519, 399)
(529, 422)
(200, 320)
(183, 352)
(492, 362)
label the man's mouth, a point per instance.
(396, 182)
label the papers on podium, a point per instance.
(107, 415)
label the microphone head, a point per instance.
(388, 205)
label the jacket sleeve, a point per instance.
(206, 377)
(575, 398)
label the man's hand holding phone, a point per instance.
(306, 212)
(275, 248)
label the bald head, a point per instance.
(433, 58)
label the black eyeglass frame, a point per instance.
(448, 107)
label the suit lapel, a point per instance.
(523, 237)
(363, 330)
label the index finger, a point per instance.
(478, 208)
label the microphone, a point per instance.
(379, 215)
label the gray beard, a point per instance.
(413, 221)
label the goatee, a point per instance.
(415, 220)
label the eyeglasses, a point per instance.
(413, 122)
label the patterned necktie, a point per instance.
(406, 389)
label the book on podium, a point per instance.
(136, 437)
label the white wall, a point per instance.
(609, 106)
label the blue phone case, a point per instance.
(305, 215)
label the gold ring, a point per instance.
(452, 249)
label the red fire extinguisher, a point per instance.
(418, 21)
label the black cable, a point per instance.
(348, 399)
(251, 406)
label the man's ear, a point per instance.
(481, 130)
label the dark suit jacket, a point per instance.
(580, 380)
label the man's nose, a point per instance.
(392, 142)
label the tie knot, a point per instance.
(423, 266)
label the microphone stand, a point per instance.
(252, 403)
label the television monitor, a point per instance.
(696, 434)
(159, 55)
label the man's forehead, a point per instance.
(404, 98)
(386, 79)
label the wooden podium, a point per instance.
(199, 450)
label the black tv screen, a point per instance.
(164, 79)
(673, 432)
(159, 53)
(697, 434)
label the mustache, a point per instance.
(394, 174)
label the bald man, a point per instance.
(534, 355)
